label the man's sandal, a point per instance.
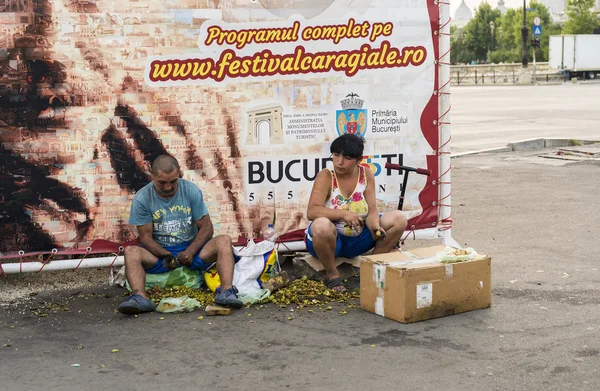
(336, 283)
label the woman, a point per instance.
(343, 210)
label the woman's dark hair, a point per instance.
(348, 145)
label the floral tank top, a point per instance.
(355, 203)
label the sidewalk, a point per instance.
(538, 222)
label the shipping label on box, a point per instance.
(413, 286)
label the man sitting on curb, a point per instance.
(172, 221)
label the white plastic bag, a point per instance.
(177, 304)
(255, 266)
(255, 297)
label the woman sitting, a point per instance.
(343, 210)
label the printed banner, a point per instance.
(247, 95)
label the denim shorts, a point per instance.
(346, 246)
(197, 263)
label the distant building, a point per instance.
(463, 15)
(501, 7)
(557, 9)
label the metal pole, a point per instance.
(534, 78)
(524, 34)
(445, 211)
(72, 264)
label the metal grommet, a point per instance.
(54, 251)
(435, 122)
(89, 249)
(434, 203)
(21, 252)
(434, 183)
(121, 248)
(433, 224)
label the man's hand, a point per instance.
(170, 262)
(185, 257)
(352, 219)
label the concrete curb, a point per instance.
(530, 145)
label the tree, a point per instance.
(549, 28)
(509, 33)
(474, 41)
(459, 54)
(478, 34)
(581, 19)
(508, 27)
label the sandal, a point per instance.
(336, 283)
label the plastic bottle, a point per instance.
(270, 234)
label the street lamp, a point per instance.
(500, 35)
(524, 34)
(492, 26)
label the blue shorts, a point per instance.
(346, 246)
(197, 263)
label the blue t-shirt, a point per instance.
(173, 219)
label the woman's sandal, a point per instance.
(336, 283)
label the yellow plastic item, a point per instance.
(212, 279)
(270, 260)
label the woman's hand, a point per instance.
(352, 219)
(377, 232)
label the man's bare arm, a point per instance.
(146, 240)
(318, 197)
(205, 233)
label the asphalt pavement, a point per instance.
(539, 223)
(492, 116)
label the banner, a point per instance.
(246, 95)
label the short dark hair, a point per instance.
(348, 145)
(165, 164)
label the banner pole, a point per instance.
(443, 88)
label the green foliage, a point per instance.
(505, 56)
(549, 28)
(581, 17)
(478, 34)
(474, 41)
(460, 54)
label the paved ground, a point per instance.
(490, 117)
(539, 223)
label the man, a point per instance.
(341, 205)
(172, 220)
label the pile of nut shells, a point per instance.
(204, 297)
(301, 293)
(305, 292)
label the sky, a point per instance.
(475, 3)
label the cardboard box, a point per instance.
(411, 286)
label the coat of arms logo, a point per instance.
(353, 118)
